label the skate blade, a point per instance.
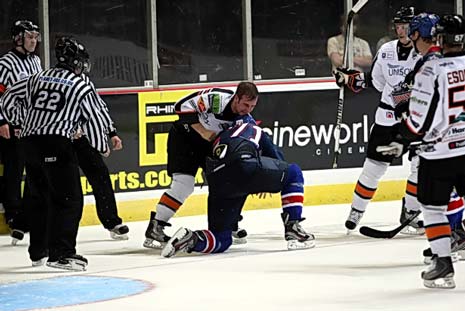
(119, 237)
(441, 283)
(461, 255)
(71, 266)
(169, 250)
(296, 245)
(14, 241)
(153, 244)
(409, 230)
(238, 241)
(455, 256)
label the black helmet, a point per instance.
(404, 15)
(72, 55)
(22, 26)
(451, 28)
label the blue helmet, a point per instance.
(423, 23)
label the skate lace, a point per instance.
(355, 216)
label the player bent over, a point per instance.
(236, 170)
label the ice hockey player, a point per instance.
(202, 115)
(436, 118)
(394, 60)
(236, 170)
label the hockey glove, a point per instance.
(396, 149)
(353, 79)
(400, 96)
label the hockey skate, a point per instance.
(119, 232)
(16, 236)
(239, 236)
(182, 240)
(428, 256)
(416, 225)
(353, 220)
(440, 274)
(72, 262)
(295, 235)
(39, 262)
(458, 243)
(155, 237)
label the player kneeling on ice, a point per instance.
(244, 162)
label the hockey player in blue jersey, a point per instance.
(244, 161)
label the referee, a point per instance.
(50, 106)
(19, 63)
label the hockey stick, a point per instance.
(379, 234)
(340, 105)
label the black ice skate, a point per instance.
(155, 237)
(353, 220)
(72, 262)
(16, 236)
(183, 240)
(458, 243)
(119, 232)
(440, 274)
(239, 235)
(415, 227)
(295, 235)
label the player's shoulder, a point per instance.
(387, 51)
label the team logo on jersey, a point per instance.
(201, 105)
(220, 151)
(389, 115)
(214, 100)
(387, 55)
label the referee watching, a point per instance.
(19, 63)
(50, 106)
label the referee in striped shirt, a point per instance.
(50, 106)
(19, 63)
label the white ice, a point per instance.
(341, 273)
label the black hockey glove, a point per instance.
(401, 96)
(353, 79)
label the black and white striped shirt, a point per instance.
(16, 66)
(56, 102)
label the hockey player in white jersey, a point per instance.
(394, 60)
(437, 118)
(202, 115)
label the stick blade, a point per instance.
(360, 4)
(377, 234)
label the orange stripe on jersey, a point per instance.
(364, 192)
(169, 202)
(437, 231)
(411, 188)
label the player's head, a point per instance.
(25, 35)
(421, 30)
(401, 21)
(450, 31)
(245, 99)
(72, 55)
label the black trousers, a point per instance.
(96, 171)
(13, 168)
(54, 197)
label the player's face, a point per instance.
(401, 31)
(243, 105)
(30, 40)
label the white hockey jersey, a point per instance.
(387, 72)
(209, 108)
(438, 97)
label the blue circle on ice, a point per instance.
(66, 291)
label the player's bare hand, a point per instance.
(117, 143)
(5, 131)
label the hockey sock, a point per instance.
(212, 242)
(410, 198)
(292, 194)
(437, 229)
(455, 211)
(181, 187)
(368, 183)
